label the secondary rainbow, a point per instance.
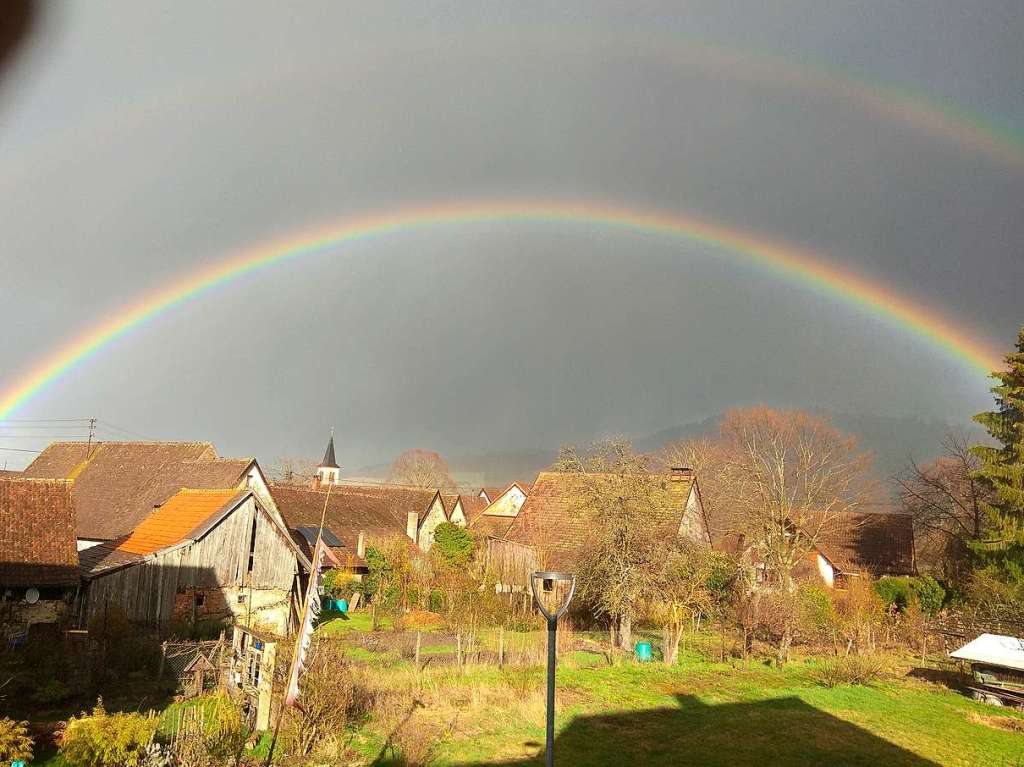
(785, 260)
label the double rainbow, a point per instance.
(787, 261)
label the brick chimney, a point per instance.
(361, 545)
(679, 473)
(412, 524)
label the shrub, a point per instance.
(851, 669)
(52, 691)
(453, 545)
(899, 593)
(107, 740)
(930, 595)
(15, 742)
(894, 592)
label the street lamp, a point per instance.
(552, 592)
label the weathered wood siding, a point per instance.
(511, 564)
(146, 591)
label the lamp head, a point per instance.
(553, 591)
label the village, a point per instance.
(446, 384)
(215, 612)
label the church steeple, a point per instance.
(328, 472)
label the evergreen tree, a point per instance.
(1002, 473)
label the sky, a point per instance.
(142, 142)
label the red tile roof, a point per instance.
(877, 543)
(117, 484)
(37, 534)
(554, 517)
(380, 511)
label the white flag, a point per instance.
(311, 611)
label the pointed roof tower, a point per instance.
(329, 461)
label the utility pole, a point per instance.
(92, 432)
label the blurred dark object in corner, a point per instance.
(16, 21)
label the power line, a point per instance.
(108, 426)
(19, 450)
(45, 420)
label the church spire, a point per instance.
(329, 473)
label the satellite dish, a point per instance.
(31, 596)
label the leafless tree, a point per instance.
(422, 468)
(946, 503)
(289, 470)
(794, 473)
(714, 467)
(626, 546)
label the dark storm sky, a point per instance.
(140, 143)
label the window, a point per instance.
(199, 600)
(241, 599)
(252, 546)
(548, 585)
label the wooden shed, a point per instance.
(202, 554)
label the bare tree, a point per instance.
(422, 468)
(795, 474)
(289, 470)
(714, 467)
(947, 505)
(626, 544)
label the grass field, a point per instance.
(697, 713)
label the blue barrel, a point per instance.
(341, 605)
(643, 652)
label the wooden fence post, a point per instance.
(163, 657)
(501, 647)
(418, 635)
(458, 649)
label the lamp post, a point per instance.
(548, 599)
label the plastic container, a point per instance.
(341, 605)
(644, 652)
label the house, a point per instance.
(38, 557)
(200, 554)
(358, 516)
(505, 501)
(117, 484)
(361, 515)
(872, 543)
(251, 673)
(848, 545)
(553, 521)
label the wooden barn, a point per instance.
(202, 554)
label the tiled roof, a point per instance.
(472, 506)
(876, 543)
(491, 525)
(104, 556)
(117, 484)
(9, 474)
(174, 521)
(554, 517)
(449, 501)
(37, 533)
(380, 511)
(493, 492)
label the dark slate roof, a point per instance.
(554, 517)
(37, 534)
(117, 484)
(877, 543)
(329, 461)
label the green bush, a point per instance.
(899, 593)
(14, 741)
(52, 691)
(340, 584)
(436, 603)
(930, 594)
(107, 740)
(453, 545)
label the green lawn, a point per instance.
(701, 714)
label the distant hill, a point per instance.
(892, 439)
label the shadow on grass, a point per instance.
(781, 731)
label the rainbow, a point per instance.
(785, 260)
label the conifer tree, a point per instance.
(1002, 473)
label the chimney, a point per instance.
(412, 524)
(361, 545)
(316, 481)
(679, 473)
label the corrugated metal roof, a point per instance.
(994, 649)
